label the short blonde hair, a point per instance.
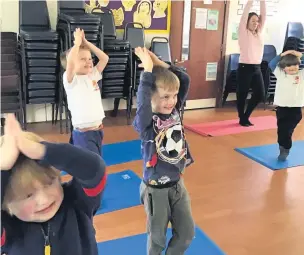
(26, 171)
(165, 79)
(63, 55)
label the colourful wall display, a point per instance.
(154, 15)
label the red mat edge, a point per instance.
(196, 131)
(188, 126)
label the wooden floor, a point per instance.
(242, 206)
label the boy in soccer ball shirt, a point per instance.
(80, 82)
(39, 215)
(161, 94)
(289, 97)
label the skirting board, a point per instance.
(42, 113)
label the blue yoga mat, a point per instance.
(118, 153)
(121, 191)
(136, 245)
(267, 155)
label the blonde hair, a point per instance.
(63, 55)
(165, 79)
(25, 173)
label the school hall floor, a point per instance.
(244, 207)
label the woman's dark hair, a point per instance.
(250, 15)
(289, 60)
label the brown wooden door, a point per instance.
(205, 46)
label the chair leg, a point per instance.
(129, 106)
(225, 96)
(53, 114)
(66, 115)
(116, 106)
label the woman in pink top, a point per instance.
(251, 54)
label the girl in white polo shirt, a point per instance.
(289, 97)
(80, 81)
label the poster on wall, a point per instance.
(235, 31)
(212, 21)
(201, 18)
(154, 15)
(211, 71)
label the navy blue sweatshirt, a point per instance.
(71, 229)
(160, 171)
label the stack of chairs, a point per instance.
(117, 76)
(39, 48)
(135, 34)
(294, 43)
(270, 53)
(294, 29)
(231, 78)
(11, 90)
(294, 39)
(161, 48)
(71, 15)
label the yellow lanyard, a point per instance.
(47, 250)
(47, 246)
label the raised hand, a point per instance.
(144, 56)
(9, 151)
(293, 52)
(78, 36)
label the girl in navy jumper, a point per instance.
(39, 215)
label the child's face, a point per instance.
(291, 69)
(164, 101)
(39, 204)
(84, 64)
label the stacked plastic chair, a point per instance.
(135, 34)
(294, 43)
(161, 48)
(71, 15)
(270, 53)
(39, 47)
(11, 91)
(117, 76)
(231, 78)
(294, 29)
(294, 39)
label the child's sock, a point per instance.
(283, 154)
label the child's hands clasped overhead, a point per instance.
(9, 150)
(293, 52)
(145, 58)
(15, 141)
(78, 36)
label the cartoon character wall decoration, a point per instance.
(154, 15)
(159, 8)
(128, 5)
(143, 13)
(103, 3)
(119, 16)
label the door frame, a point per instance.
(219, 95)
(177, 46)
